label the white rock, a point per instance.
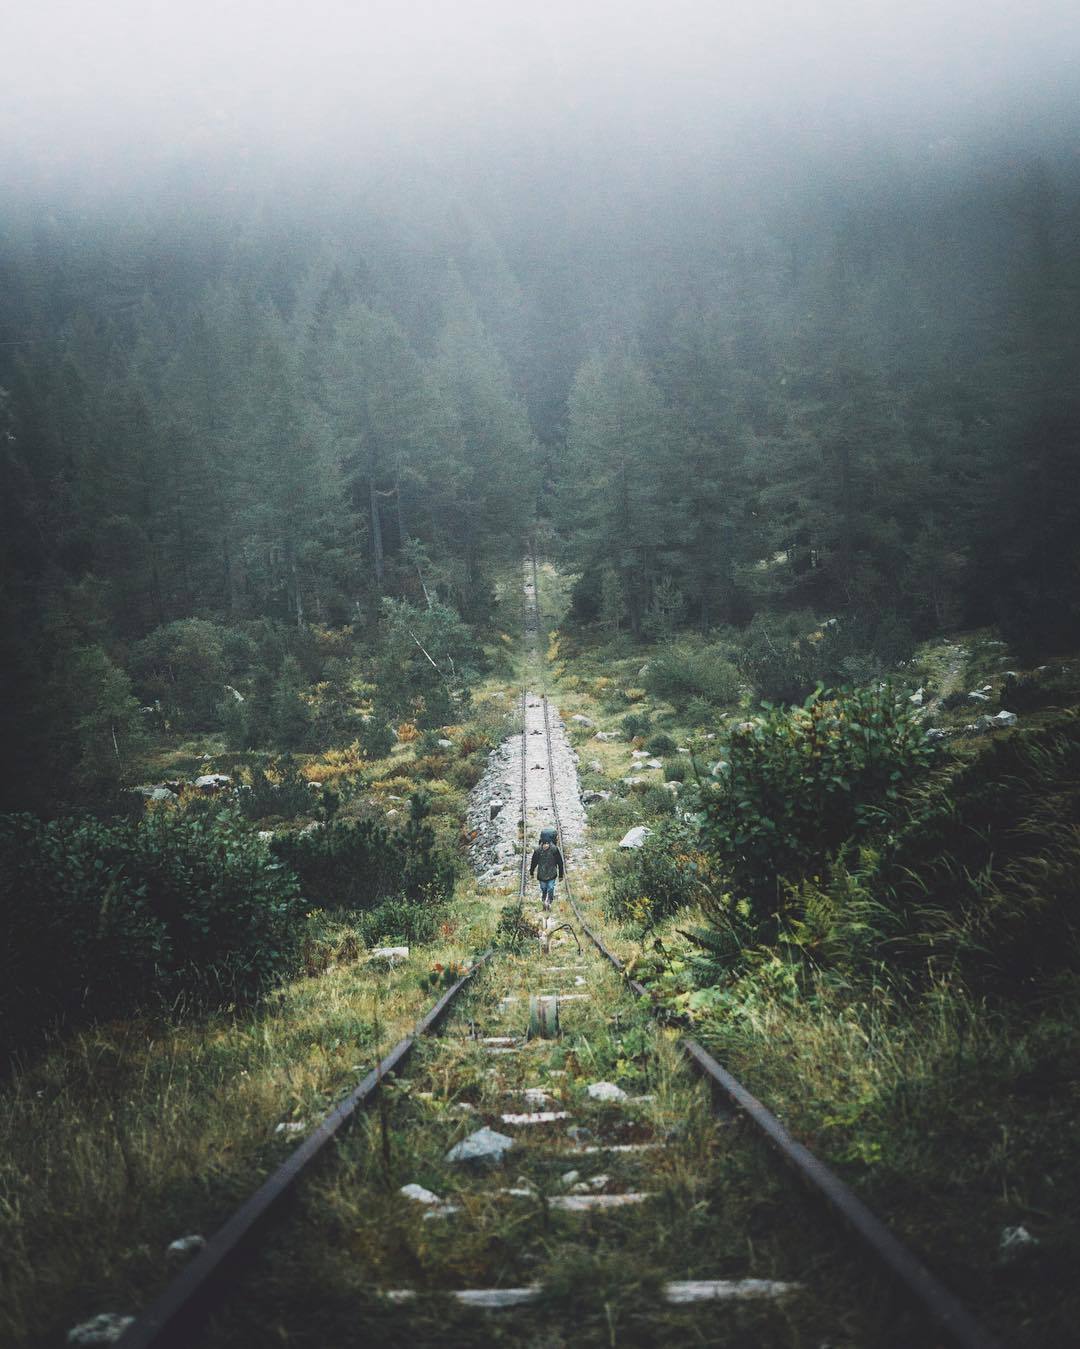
(605, 1091)
(591, 798)
(568, 1178)
(1004, 718)
(266, 833)
(539, 1117)
(916, 699)
(725, 1290)
(978, 697)
(536, 1096)
(182, 1247)
(212, 782)
(635, 838)
(655, 763)
(579, 720)
(596, 765)
(606, 735)
(935, 733)
(1015, 1243)
(682, 750)
(639, 754)
(581, 1203)
(393, 954)
(290, 1127)
(592, 1185)
(104, 1329)
(445, 744)
(634, 782)
(419, 1194)
(485, 1145)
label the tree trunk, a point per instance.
(376, 532)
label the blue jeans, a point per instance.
(547, 892)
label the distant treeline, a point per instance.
(269, 415)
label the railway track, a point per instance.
(630, 1212)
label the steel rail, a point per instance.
(190, 1296)
(927, 1291)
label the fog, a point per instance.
(126, 81)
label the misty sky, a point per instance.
(85, 77)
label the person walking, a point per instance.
(547, 862)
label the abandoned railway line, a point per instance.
(508, 1191)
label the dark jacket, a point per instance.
(547, 863)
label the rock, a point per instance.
(579, 720)
(639, 754)
(494, 806)
(720, 766)
(673, 787)
(654, 763)
(682, 750)
(592, 1185)
(978, 697)
(1016, 1244)
(445, 744)
(916, 699)
(596, 766)
(104, 1329)
(392, 954)
(290, 1127)
(265, 834)
(635, 838)
(591, 798)
(605, 1091)
(212, 782)
(536, 1096)
(161, 793)
(578, 1134)
(314, 826)
(644, 670)
(419, 1194)
(935, 733)
(184, 1247)
(485, 1146)
(569, 1178)
(606, 735)
(1004, 718)
(236, 694)
(315, 786)
(634, 782)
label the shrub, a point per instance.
(801, 783)
(675, 769)
(286, 798)
(680, 672)
(660, 744)
(101, 919)
(635, 724)
(357, 865)
(671, 871)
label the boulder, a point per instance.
(579, 720)
(1016, 1244)
(591, 798)
(654, 763)
(212, 782)
(977, 696)
(634, 782)
(935, 733)
(445, 744)
(606, 735)
(485, 1146)
(393, 955)
(916, 699)
(1003, 718)
(635, 838)
(596, 766)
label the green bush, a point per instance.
(635, 724)
(669, 872)
(660, 744)
(357, 865)
(287, 798)
(803, 782)
(675, 768)
(681, 672)
(101, 919)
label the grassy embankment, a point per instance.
(953, 1108)
(119, 1138)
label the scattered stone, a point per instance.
(487, 1299)
(591, 798)
(212, 782)
(1016, 1244)
(104, 1329)
(725, 1290)
(596, 766)
(978, 697)
(568, 1178)
(536, 1096)
(183, 1247)
(605, 1091)
(445, 744)
(502, 1040)
(484, 1146)
(393, 955)
(290, 1127)
(639, 754)
(635, 838)
(634, 782)
(1004, 718)
(419, 1194)
(591, 1186)
(577, 1133)
(917, 698)
(579, 720)
(581, 1203)
(936, 733)
(265, 834)
(606, 735)
(494, 806)
(682, 750)
(654, 763)
(538, 1117)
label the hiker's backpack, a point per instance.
(549, 836)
